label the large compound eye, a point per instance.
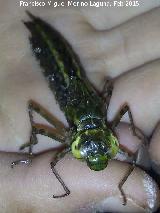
(114, 147)
(76, 149)
(97, 162)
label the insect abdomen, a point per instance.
(56, 57)
(63, 71)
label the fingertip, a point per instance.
(90, 190)
(99, 190)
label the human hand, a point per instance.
(103, 53)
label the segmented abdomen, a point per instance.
(63, 71)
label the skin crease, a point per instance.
(132, 42)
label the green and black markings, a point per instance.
(89, 138)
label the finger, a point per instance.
(123, 131)
(134, 148)
(154, 149)
(15, 122)
(113, 52)
(124, 47)
(126, 137)
(33, 187)
(106, 16)
(102, 53)
(140, 89)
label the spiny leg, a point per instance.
(121, 183)
(59, 156)
(33, 140)
(131, 168)
(115, 122)
(57, 133)
(24, 161)
(42, 130)
(33, 106)
(119, 116)
(107, 92)
(59, 127)
(33, 137)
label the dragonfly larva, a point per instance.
(89, 137)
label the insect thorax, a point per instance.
(95, 143)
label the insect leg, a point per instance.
(58, 133)
(119, 116)
(33, 106)
(107, 92)
(121, 183)
(24, 161)
(38, 129)
(43, 130)
(59, 156)
(115, 122)
(54, 133)
(33, 141)
(131, 168)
